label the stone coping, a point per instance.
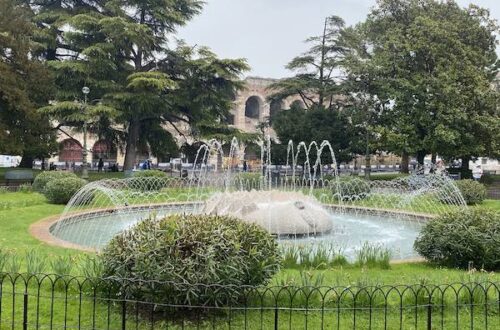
(41, 230)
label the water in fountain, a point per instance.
(301, 204)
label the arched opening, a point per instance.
(275, 107)
(297, 104)
(253, 107)
(70, 150)
(104, 150)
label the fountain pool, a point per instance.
(350, 230)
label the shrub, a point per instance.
(188, 254)
(351, 189)
(44, 178)
(462, 236)
(488, 179)
(149, 180)
(150, 174)
(60, 191)
(472, 191)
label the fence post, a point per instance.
(429, 315)
(25, 311)
(276, 311)
(124, 314)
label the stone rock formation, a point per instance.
(280, 212)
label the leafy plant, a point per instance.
(372, 256)
(44, 178)
(92, 267)
(472, 191)
(190, 256)
(60, 191)
(13, 264)
(457, 238)
(4, 258)
(62, 265)
(35, 264)
(25, 188)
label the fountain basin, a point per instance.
(351, 228)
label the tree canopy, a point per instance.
(25, 84)
(432, 64)
(120, 49)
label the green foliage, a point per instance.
(35, 263)
(44, 178)
(314, 81)
(60, 191)
(317, 125)
(150, 174)
(149, 180)
(417, 56)
(351, 189)
(472, 191)
(25, 84)
(372, 256)
(192, 249)
(489, 179)
(457, 238)
(62, 265)
(321, 256)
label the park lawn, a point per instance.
(27, 208)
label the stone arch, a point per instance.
(275, 107)
(105, 150)
(297, 104)
(254, 107)
(70, 150)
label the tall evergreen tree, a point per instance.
(25, 84)
(120, 50)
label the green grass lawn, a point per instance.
(19, 210)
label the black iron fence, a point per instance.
(55, 302)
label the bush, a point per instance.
(149, 180)
(44, 178)
(457, 238)
(351, 189)
(187, 254)
(150, 174)
(488, 179)
(60, 191)
(472, 191)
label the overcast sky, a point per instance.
(269, 33)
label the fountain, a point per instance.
(301, 205)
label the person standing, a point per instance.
(477, 173)
(100, 165)
(245, 166)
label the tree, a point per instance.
(120, 50)
(318, 85)
(437, 62)
(24, 84)
(318, 125)
(316, 81)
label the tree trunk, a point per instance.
(420, 157)
(131, 148)
(26, 162)
(405, 163)
(465, 162)
(433, 161)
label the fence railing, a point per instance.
(55, 302)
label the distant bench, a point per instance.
(19, 176)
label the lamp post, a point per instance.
(85, 173)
